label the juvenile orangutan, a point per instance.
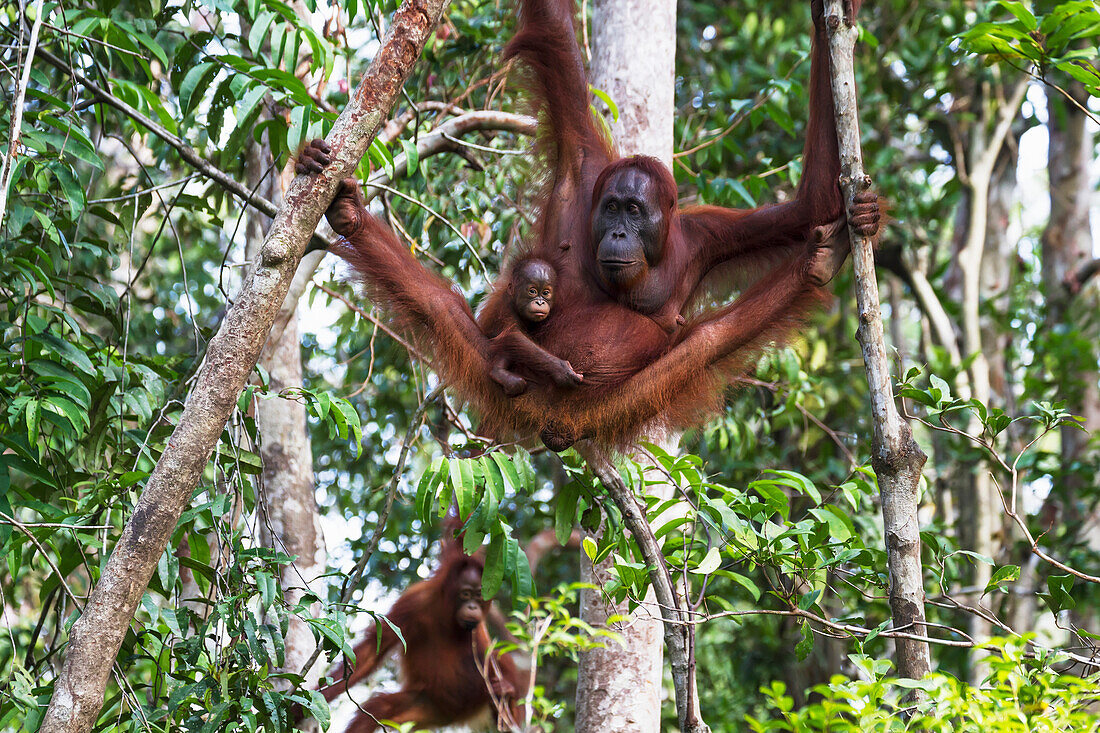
(531, 302)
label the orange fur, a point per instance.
(441, 684)
(638, 376)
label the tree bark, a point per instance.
(678, 636)
(619, 687)
(97, 635)
(1066, 251)
(978, 503)
(289, 521)
(896, 457)
(1066, 247)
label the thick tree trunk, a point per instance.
(619, 688)
(896, 457)
(97, 635)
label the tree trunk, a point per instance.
(289, 522)
(895, 456)
(97, 635)
(619, 688)
(1067, 245)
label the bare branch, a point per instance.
(896, 457)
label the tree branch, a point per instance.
(896, 457)
(436, 141)
(1081, 275)
(7, 167)
(674, 612)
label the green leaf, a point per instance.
(799, 483)
(1022, 13)
(1083, 74)
(72, 413)
(806, 644)
(606, 99)
(493, 575)
(507, 469)
(412, 156)
(1005, 574)
(808, 600)
(195, 81)
(33, 411)
(709, 563)
(522, 584)
(351, 418)
(426, 489)
(314, 702)
(774, 496)
(841, 528)
(940, 391)
(1058, 597)
(494, 480)
(462, 482)
(258, 35)
(299, 127)
(565, 511)
(745, 583)
(381, 156)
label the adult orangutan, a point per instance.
(442, 623)
(629, 263)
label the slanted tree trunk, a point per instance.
(619, 688)
(97, 635)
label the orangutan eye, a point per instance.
(633, 209)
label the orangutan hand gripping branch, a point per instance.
(628, 264)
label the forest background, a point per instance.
(121, 251)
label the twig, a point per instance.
(189, 154)
(7, 169)
(351, 581)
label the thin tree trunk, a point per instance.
(289, 521)
(619, 687)
(978, 501)
(97, 635)
(896, 457)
